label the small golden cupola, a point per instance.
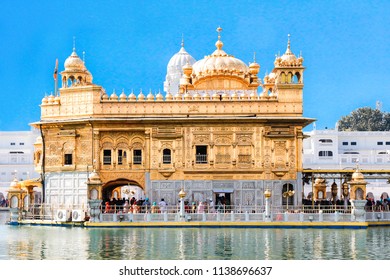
(288, 67)
(358, 185)
(287, 73)
(75, 73)
(219, 71)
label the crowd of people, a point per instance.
(144, 205)
(4, 202)
(382, 204)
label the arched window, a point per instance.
(294, 80)
(167, 157)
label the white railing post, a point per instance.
(165, 216)
(246, 216)
(336, 216)
(320, 216)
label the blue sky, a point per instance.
(345, 44)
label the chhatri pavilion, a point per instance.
(218, 131)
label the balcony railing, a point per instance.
(107, 160)
(137, 159)
(167, 159)
(201, 159)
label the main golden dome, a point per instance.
(219, 71)
(219, 61)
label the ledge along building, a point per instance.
(218, 131)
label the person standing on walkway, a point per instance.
(163, 206)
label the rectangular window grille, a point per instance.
(120, 157)
(106, 157)
(137, 157)
(345, 143)
(201, 154)
(167, 159)
(353, 143)
(379, 143)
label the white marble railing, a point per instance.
(232, 214)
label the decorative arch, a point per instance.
(137, 142)
(110, 186)
(359, 194)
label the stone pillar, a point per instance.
(94, 206)
(358, 211)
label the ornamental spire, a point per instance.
(288, 51)
(219, 43)
(74, 43)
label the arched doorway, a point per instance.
(122, 190)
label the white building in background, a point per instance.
(16, 157)
(338, 150)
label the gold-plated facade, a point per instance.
(224, 132)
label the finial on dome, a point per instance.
(254, 56)
(219, 29)
(84, 57)
(288, 51)
(182, 40)
(74, 43)
(219, 43)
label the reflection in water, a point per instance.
(38, 242)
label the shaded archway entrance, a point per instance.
(122, 189)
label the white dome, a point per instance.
(178, 60)
(175, 70)
(74, 63)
